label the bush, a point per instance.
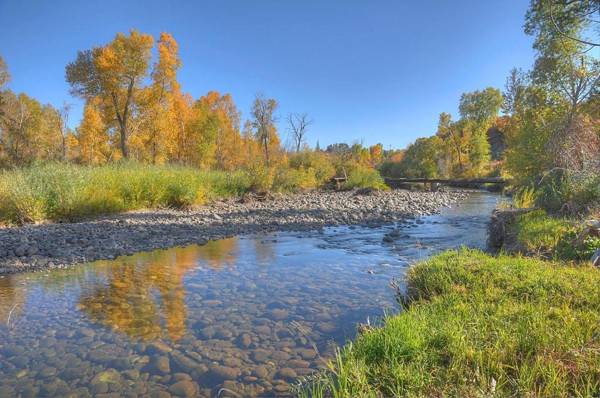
(363, 177)
(288, 179)
(479, 326)
(317, 163)
(560, 191)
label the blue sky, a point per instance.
(370, 71)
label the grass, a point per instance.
(552, 237)
(540, 233)
(59, 191)
(67, 192)
(479, 326)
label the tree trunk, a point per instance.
(266, 144)
(123, 136)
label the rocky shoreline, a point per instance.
(48, 246)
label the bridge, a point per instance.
(457, 182)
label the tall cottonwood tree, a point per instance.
(165, 90)
(263, 113)
(114, 72)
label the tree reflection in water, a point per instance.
(144, 295)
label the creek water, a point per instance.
(245, 316)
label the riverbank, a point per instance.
(478, 325)
(47, 246)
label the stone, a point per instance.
(223, 334)
(182, 376)
(260, 355)
(298, 363)
(184, 388)
(281, 388)
(160, 365)
(280, 355)
(261, 372)
(99, 387)
(287, 374)
(263, 330)
(244, 340)
(158, 347)
(224, 372)
(20, 250)
(110, 376)
(307, 353)
(278, 314)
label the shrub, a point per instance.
(288, 179)
(568, 192)
(364, 177)
(318, 163)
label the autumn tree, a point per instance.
(376, 154)
(263, 113)
(114, 72)
(298, 125)
(156, 137)
(29, 131)
(93, 136)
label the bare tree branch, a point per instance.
(299, 123)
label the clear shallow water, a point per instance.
(238, 317)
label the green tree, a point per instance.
(421, 158)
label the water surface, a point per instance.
(243, 316)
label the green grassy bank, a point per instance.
(68, 192)
(479, 326)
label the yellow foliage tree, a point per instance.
(92, 136)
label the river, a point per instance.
(244, 316)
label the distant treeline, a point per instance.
(542, 132)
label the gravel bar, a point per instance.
(59, 245)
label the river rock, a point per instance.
(261, 372)
(184, 388)
(287, 373)
(224, 372)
